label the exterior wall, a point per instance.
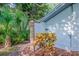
(39, 27)
(57, 23)
(62, 41)
(75, 40)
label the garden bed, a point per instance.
(24, 50)
(1, 46)
(54, 52)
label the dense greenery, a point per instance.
(14, 20)
(13, 23)
(34, 11)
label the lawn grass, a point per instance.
(6, 51)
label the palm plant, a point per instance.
(21, 21)
(5, 18)
(14, 24)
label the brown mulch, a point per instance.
(24, 50)
(52, 52)
(1, 46)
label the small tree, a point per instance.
(6, 17)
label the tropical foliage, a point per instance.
(14, 19)
(34, 11)
(13, 23)
(46, 40)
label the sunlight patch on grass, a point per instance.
(6, 51)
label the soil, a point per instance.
(24, 50)
(1, 46)
(43, 52)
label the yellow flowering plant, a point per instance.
(45, 40)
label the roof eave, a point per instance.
(55, 12)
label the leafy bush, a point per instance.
(45, 40)
(19, 37)
(13, 22)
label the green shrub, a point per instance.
(20, 37)
(2, 36)
(14, 23)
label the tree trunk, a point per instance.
(7, 41)
(32, 35)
